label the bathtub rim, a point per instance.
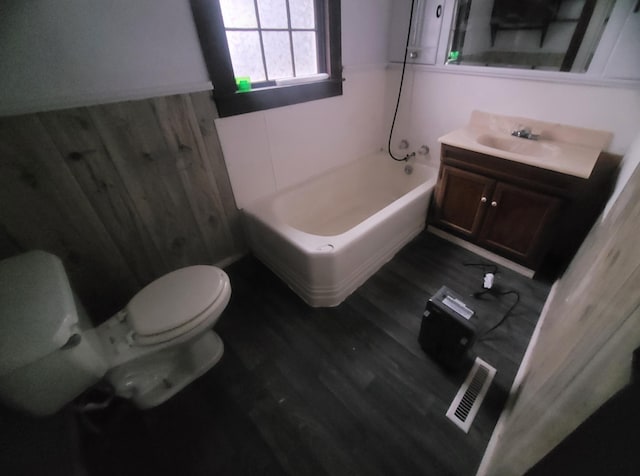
(263, 210)
(262, 217)
(316, 244)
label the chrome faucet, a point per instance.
(525, 133)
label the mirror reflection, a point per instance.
(551, 35)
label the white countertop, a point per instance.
(561, 148)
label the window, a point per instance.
(287, 50)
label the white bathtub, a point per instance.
(327, 236)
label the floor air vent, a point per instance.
(467, 401)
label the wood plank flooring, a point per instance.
(341, 391)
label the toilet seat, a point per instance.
(177, 304)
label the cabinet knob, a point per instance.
(483, 199)
(494, 204)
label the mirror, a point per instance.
(551, 35)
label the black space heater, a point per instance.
(447, 332)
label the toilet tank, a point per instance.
(48, 350)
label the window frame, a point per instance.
(229, 101)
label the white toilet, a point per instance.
(50, 353)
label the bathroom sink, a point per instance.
(517, 145)
(566, 149)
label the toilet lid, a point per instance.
(174, 299)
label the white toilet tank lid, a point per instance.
(174, 299)
(37, 310)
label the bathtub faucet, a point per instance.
(408, 156)
(408, 168)
(524, 132)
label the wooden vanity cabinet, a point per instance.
(461, 199)
(518, 222)
(515, 210)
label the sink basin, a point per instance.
(517, 145)
(565, 149)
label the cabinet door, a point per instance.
(461, 200)
(518, 222)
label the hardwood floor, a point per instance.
(346, 390)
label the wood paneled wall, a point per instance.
(122, 193)
(583, 354)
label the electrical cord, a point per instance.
(489, 276)
(404, 66)
(506, 314)
(493, 269)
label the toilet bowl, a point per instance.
(159, 343)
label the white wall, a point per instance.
(437, 103)
(630, 162)
(365, 35)
(620, 63)
(270, 150)
(64, 53)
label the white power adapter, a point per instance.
(487, 281)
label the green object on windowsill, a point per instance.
(243, 83)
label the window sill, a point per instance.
(276, 96)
